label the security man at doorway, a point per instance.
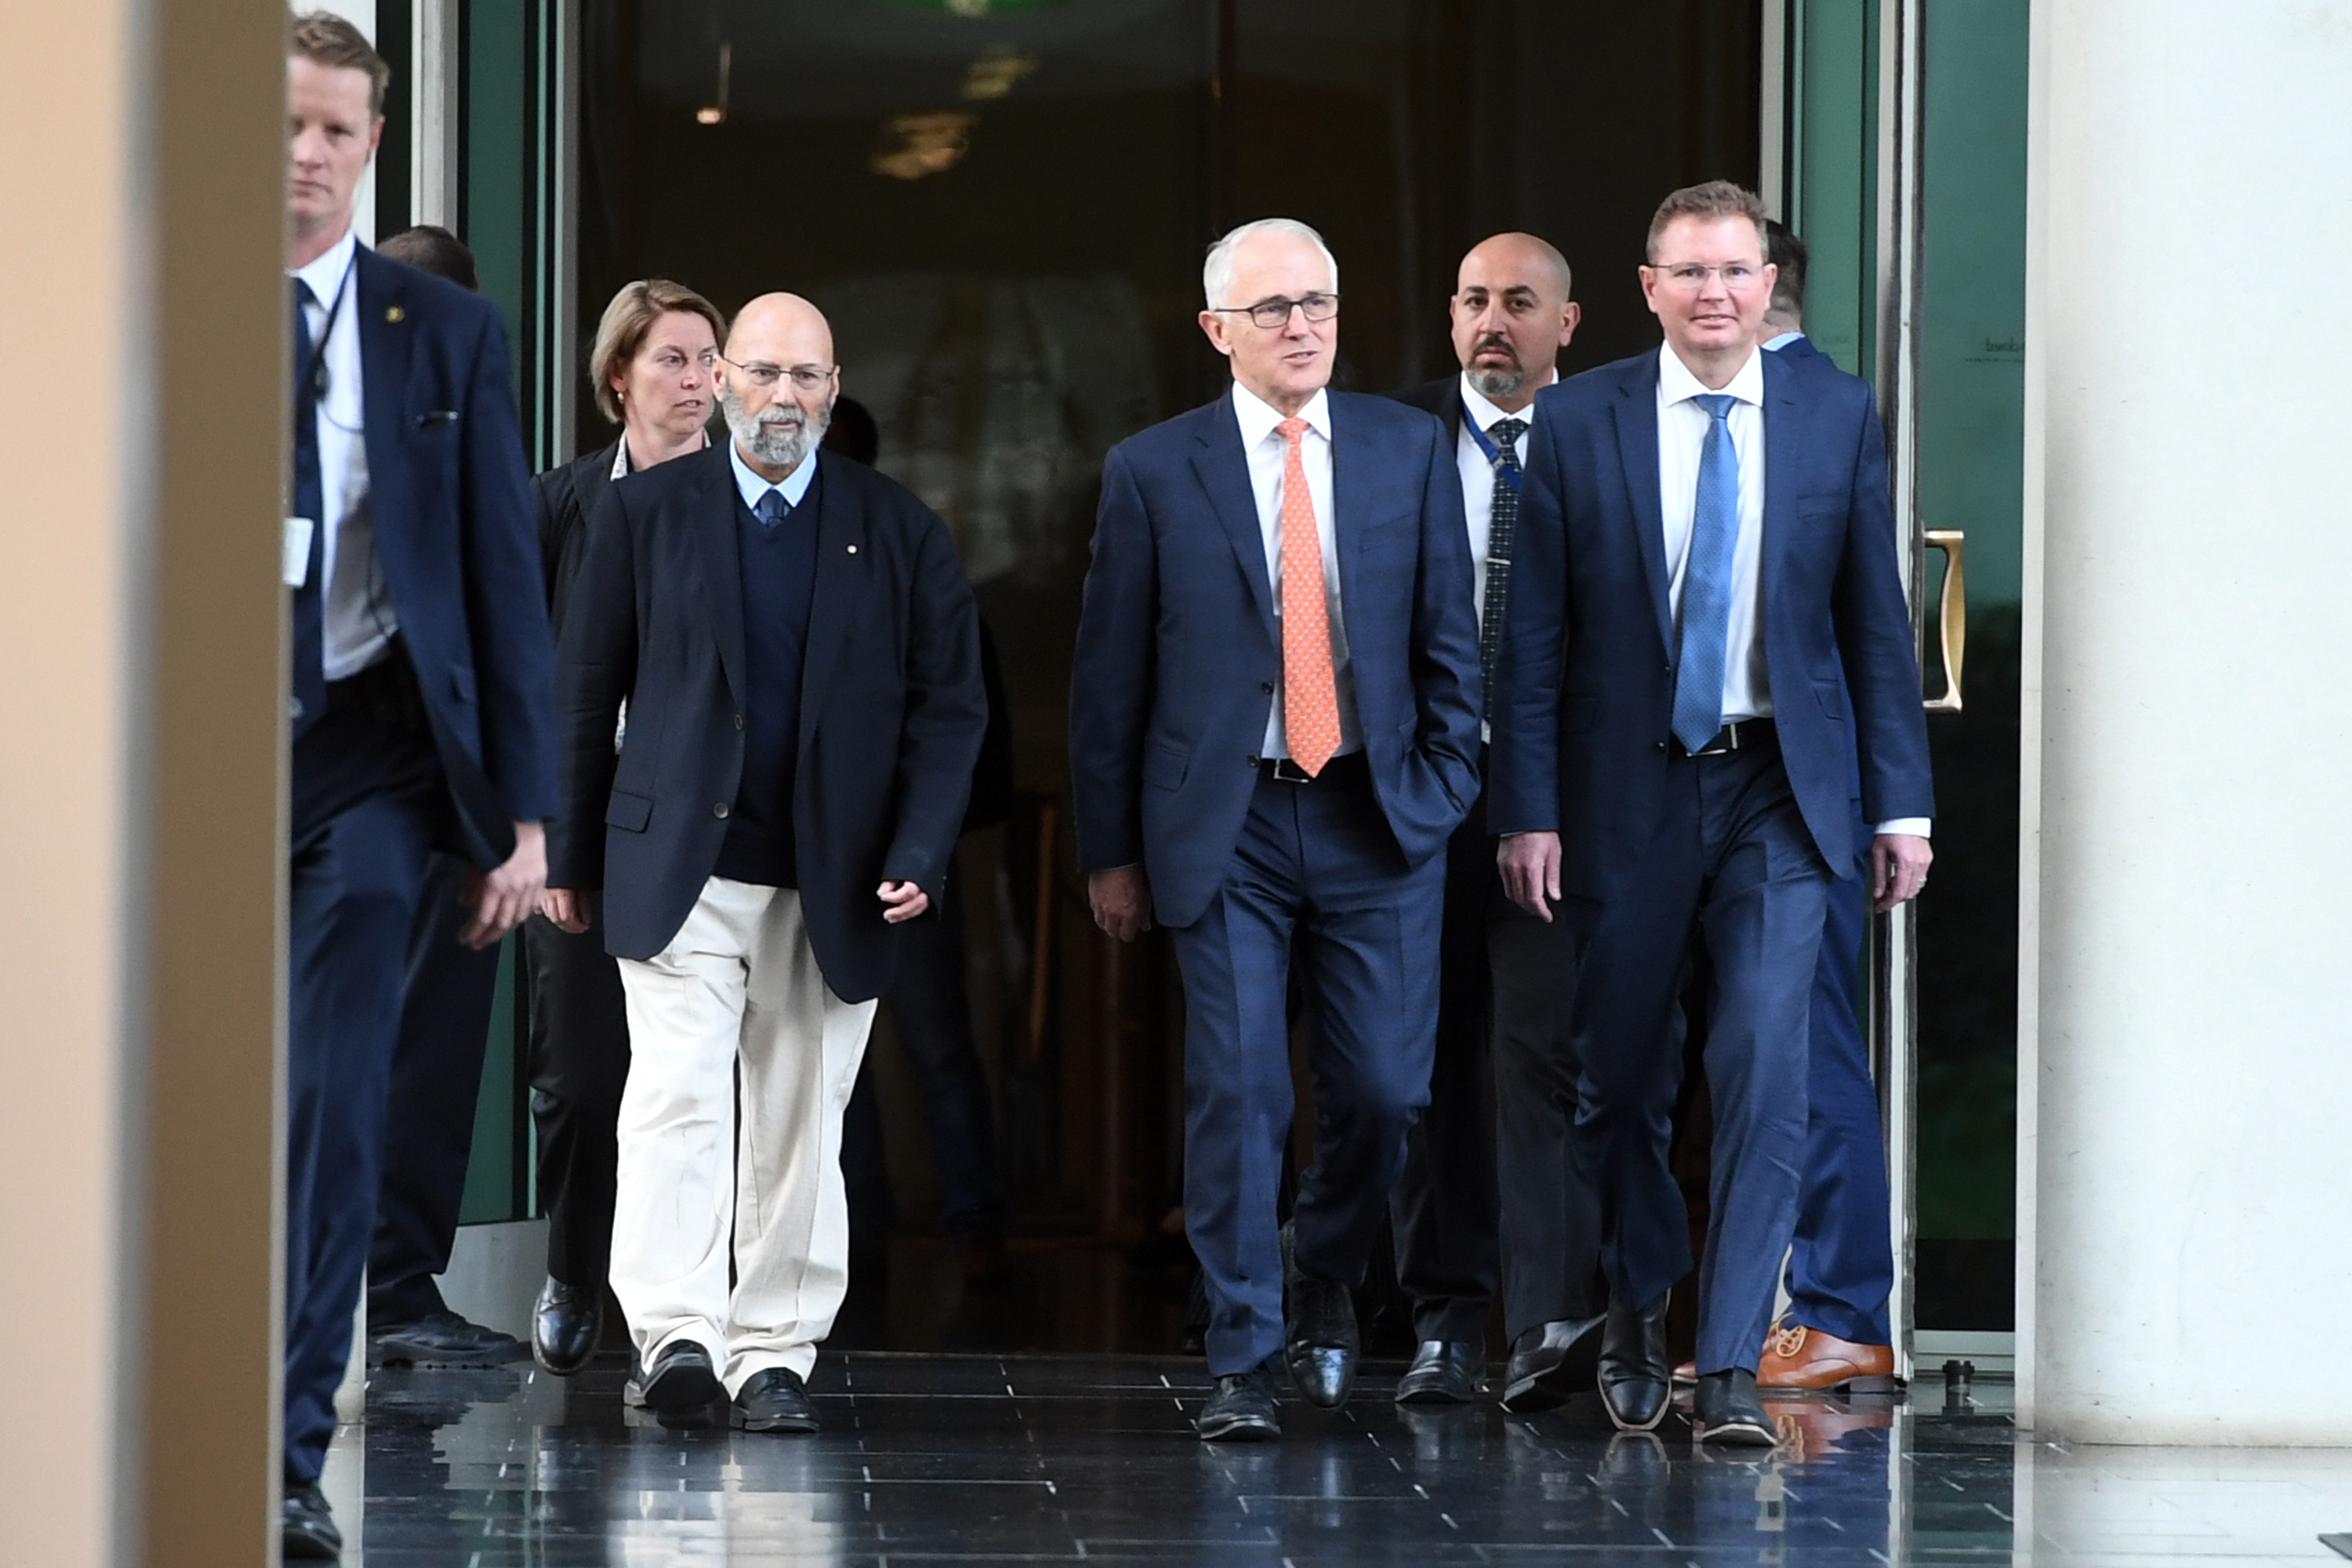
(423, 693)
(1274, 730)
(1671, 764)
(1499, 968)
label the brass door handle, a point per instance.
(1954, 614)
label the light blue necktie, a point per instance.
(1706, 580)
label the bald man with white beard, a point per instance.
(799, 653)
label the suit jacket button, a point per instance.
(719, 810)
(1266, 687)
(738, 721)
(1251, 760)
(1662, 745)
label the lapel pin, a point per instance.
(852, 550)
(395, 314)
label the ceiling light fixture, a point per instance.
(716, 113)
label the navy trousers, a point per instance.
(1315, 861)
(579, 1065)
(369, 801)
(1448, 1257)
(1843, 1266)
(1731, 859)
(436, 1077)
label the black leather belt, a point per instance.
(1348, 768)
(1745, 735)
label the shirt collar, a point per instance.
(1258, 417)
(1677, 384)
(324, 272)
(1483, 414)
(1774, 345)
(751, 487)
(623, 467)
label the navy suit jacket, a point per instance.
(1179, 652)
(1585, 681)
(892, 709)
(451, 499)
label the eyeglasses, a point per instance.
(1689, 276)
(805, 377)
(1275, 312)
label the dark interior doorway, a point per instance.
(1002, 206)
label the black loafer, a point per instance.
(1320, 1339)
(307, 1528)
(680, 1378)
(1444, 1372)
(1637, 1379)
(442, 1339)
(1551, 1361)
(775, 1401)
(1726, 1412)
(1242, 1408)
(565, 1325)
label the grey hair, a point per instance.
(1217, 272)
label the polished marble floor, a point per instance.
(938, 1458)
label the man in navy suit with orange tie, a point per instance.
(421, 710)
(1274, 729)
(1705, 552)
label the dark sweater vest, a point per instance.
(779, 569)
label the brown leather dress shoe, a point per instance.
(1804, 1360)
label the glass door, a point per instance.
(1903, 152)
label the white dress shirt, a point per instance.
(358, 618)
(1268, 453)
(1682, 437)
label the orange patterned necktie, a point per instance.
(1310, 693)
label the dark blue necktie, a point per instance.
(1501, 521)
(311, 501)
(772, 510)
(1706, 580)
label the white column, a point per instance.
(2185, 1064)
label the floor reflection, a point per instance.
(934, 1456)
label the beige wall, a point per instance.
(2186, 1032)
(140, 426)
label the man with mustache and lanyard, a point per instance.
(800, 655)
(1499, 967)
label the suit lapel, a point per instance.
(1224, 470)
(1354, 457)
(1637, 453)
(382, 315)
(1784, 439)
(843, 568)
(714, 504)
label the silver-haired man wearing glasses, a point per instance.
(800, 656)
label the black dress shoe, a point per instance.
(680, 1378)
(1726, 1411)
(1636, 1378)
(1444, 1372)
(565, 1325)
(775, 1401)
(1242, 1408)
(308, 1530)
(1319, 1341)
(1551, 1361)
(442, 1339)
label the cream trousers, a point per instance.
(737, 989)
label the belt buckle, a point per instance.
(1725, 739)
(1288, 772)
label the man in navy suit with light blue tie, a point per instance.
(1706, 548)
(423, 697)
(1274, 730)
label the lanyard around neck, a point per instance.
(1507, 473)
